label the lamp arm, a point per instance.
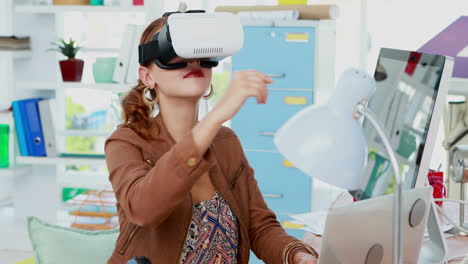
(362, 109)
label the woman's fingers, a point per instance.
(258, 88)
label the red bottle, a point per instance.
(138, 2)
(436, 180)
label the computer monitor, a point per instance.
(411, 90)
(409, 103)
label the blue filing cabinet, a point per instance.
(287, 53)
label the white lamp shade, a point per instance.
(325, 141)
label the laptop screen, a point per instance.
(407, 84)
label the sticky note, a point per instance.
(288, 224)
(297, 37)
(295, 100)
(286, 163)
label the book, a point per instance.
(123, 60)
(85, 209)
(94, 210)
(19, 129)
(32, 127)
(48, 128)
(132, 70)
(14, 42)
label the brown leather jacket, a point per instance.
(152, 182)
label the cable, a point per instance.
(450, 200)
(462, 257)
(446, 216)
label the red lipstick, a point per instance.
(196, 73)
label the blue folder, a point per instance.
(19, 129)
(32, 127)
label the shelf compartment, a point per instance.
(88, 180)
(19, 170)
(36, 85)
(17, 54)
(112, 87)
(83, 133)
(60, 160)
(44, 85)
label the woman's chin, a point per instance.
(190, 95)
(195, 91)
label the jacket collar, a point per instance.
(160, 130)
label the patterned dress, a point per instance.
(213, 235)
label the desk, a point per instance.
(456, 245)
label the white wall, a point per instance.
(404, 24)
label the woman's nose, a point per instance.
(194, 61)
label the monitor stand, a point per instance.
(435, 249)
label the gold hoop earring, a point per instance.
(208, 96)
(149, 103)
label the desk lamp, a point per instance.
(327, 141)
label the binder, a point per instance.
(121, 66)
(32, 127)
(132, 71)
(19, 129)
(48, 128)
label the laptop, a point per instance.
(362, 232)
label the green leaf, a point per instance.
(67, 49)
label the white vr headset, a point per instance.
(208, 37)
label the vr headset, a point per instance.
(194, 34)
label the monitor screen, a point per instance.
(407, 85)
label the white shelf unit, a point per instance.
(35, 73)
(112, 87)
(60, 160)
(18, 170)
(52, 86)
(98, 181)
(17, 54)
(53, 9)
(34, 85)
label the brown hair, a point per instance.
(136, 114)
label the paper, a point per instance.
(315, 12)
(314, 221)
(268, 15)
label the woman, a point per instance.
(185, 191)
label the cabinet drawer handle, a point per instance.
(281, 75)
(273, 196)
(267, 134)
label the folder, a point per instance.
(48, 128)
(122, 62)
(32, 127)
(19, 129)
(133, 65)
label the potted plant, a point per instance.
(72, 69)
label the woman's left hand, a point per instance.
(304, 258)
